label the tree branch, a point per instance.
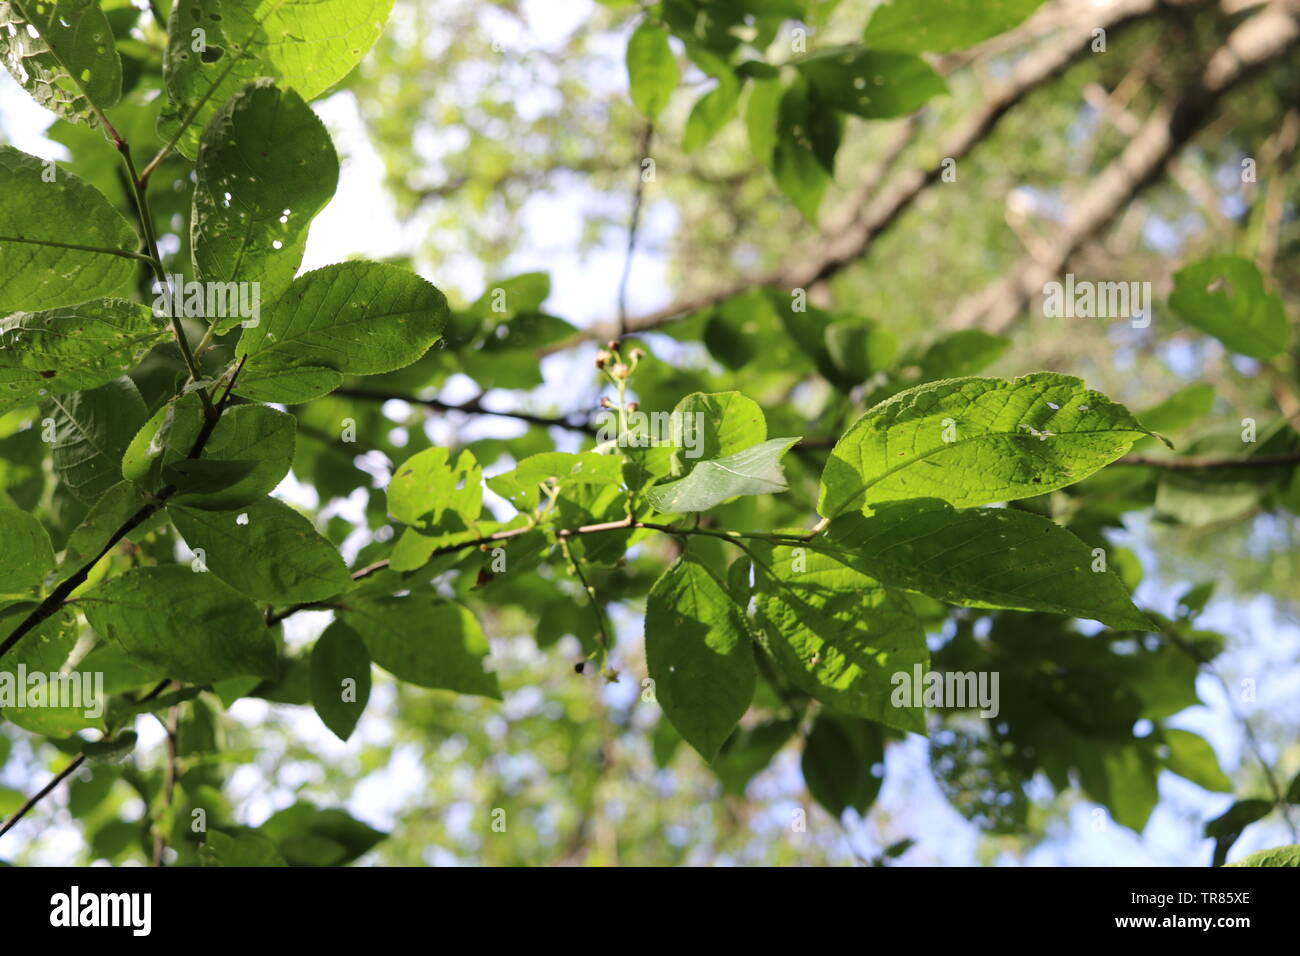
(837, 249)
(472, 407)
(1172, 124)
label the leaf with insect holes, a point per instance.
(985, 557)
(266, 167)
(699, 655)
(62, 53)
(873, 84)
(973, 441)
(303, 45)
(73, 348)
(59, 237)
(353, 318)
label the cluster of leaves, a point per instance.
(154, 553)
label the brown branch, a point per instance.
(1166, 131)
(835, 250)
(472, 407)
(59, 596)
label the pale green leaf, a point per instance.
(754, 471)
(91, 433)
(651, 68)
(26, 554)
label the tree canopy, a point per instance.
(760, 431)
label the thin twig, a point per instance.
(633, 226)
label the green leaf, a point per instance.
(1227, 827)
(189, 625)
(245, 849)
(304, 46)
(707, 426)
(871, 83)
(986, 557)
(712, 111)
(761, 112)
(425, 641)
(26, 554)
(962, 353)
(836, 632)
(806, 141)
(308, 836)
(268, 551)
(1226, 297)
(1278, 856)
(340, 678)
(40, 220)
(561, 472)
(857, 349)
(255, 435)
(651, 68)
(253, 205)
(972, 441)
(839, 759)
(92, 431)
(754, 471)
(748, 751)
(698, 654)
(69, 65)
(431, 495)
(73, 348)
(940, 26)
(106, 515)
(354, 318)
(1192, 757)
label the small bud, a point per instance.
(612, 345)
(601, 359)
(605, 402)
(619, 371)
(633, 406)
(636, 355)
(577, 668)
